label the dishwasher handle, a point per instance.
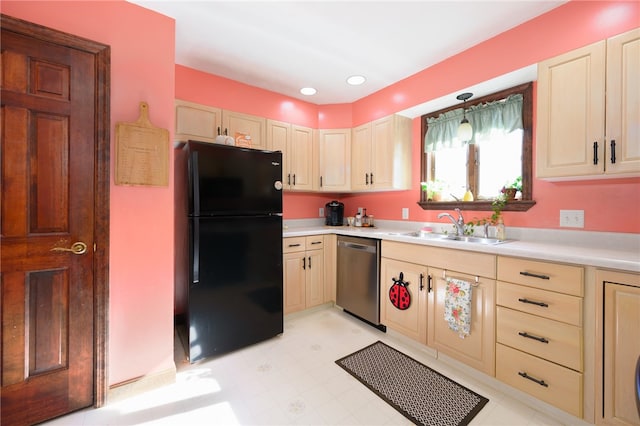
(368, 249)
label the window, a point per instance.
(498, 154)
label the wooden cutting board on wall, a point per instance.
(142, 152)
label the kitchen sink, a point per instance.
(447, 237)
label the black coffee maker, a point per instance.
(333, 213)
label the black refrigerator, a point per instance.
(235, 293)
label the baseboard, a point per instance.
(141, 384)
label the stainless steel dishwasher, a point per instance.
(358, 287)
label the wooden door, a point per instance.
(53, 159)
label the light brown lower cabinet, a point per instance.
(412, 321)
(476, 350)
(621, 329)
(549, 382)
(303, 268)
(424, 320)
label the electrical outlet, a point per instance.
(405, 212)
(572, 218)
(321, 212)
(360, 210)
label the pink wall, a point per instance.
(141, 236)
(208, 89)
(611, 205)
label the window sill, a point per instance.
(483, 205)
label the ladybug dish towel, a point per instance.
(457, 306)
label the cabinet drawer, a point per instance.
(563, 386)
(552, 340)
(314, 242)
(293, 244)
(548, 276)
(547, 304)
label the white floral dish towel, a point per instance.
(457, 306)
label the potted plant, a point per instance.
(510, 190)
(433, 188)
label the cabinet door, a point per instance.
(330, 267)
(301, 158)
(412, 322)
(197, 122)
(246, 126)
(294, 282)
(621, 352)
(279, 139)
(335, 160)
(360, 158)
(391, 153)
(314, 278)
(623, 103)
(478, 348)
(570, 115)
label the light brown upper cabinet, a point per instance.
(197, 122)
(588, 115)
(296, 144)
(245, 126)
(381, 155)
(204, 123)
(334, 160)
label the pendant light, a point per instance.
(465, 132)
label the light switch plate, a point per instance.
(572, 218)
(405, 212)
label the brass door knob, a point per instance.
(76, 248)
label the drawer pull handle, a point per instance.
(293, 245)
(529, 274)
(531, 336)
(531, 302)
(316, 242)
(533, 379)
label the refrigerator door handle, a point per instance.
(195, 173)
(196, 251)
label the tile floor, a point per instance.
(292, 380)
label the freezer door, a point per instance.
(227, 180)
(235, 293)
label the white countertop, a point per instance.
(599, 249)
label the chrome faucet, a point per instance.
(459, 223)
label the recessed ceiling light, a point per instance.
(356, 80)
(308, 91)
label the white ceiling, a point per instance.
(283, 46)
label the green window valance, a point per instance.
(498, 117)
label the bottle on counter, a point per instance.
(365, 218)
(358, 221)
